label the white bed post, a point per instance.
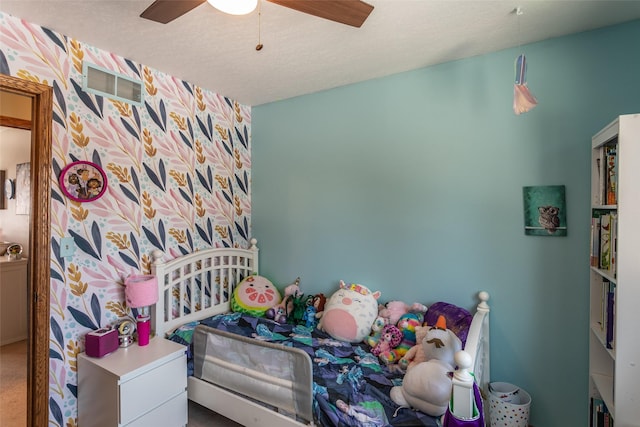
(463, 386)
(485, 371)
(254, 250)
(462, 394)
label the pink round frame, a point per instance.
(83, 181)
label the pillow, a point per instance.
(458, 319)
(349, 313)
(254, 295)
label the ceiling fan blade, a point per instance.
(165, 11)
(349, 12)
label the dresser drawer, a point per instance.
(145, 392)
(173, 413)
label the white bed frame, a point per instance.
(228, 266)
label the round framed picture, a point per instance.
(83, 181)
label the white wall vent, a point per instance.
(107, 83)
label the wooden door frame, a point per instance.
(39, 244)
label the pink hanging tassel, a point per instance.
(523, 100)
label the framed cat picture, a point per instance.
(83, 181)
(545, 210)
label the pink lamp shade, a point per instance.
(141, 291)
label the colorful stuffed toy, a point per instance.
(376, 330)
(254, 295)
(390, 337)
(407, 324)
(427, 385)
(415, 354)
(350, 312)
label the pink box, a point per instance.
(101, 342)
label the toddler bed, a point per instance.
(258, 372)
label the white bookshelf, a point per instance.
(614, 369)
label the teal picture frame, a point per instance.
(545, 210)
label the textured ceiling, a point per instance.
(303, 54)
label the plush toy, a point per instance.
(376, 330)
(350, 312)
(254, 295)
(419, 309)
(293, 289)
(393, 310)
(277, 313)
(415, 354)
(281, 311)
(427, 385)
(390, 337)
(458, 318)
(407, 324)
(309, 316)
(318, 301)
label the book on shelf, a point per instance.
(595, 241)
(600, 416)
(610, 324)
(614, 243)
(603, 307)
(611, 182)
(605, 241)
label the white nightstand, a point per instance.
(13, 300)
(134, 386)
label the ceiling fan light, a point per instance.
(234, 7)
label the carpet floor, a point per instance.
(13, 384)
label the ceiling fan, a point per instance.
(348, 12)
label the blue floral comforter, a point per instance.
(350, 387)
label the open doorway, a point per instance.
(15, 152)
(38, 282)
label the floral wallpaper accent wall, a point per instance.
(179, 176)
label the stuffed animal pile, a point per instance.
(281, 311)
(427, 385)
(404, 318)
(396, 332)
(257, 296)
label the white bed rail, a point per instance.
(198, 285)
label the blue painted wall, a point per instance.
(412, 185)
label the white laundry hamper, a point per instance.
(508, 405)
